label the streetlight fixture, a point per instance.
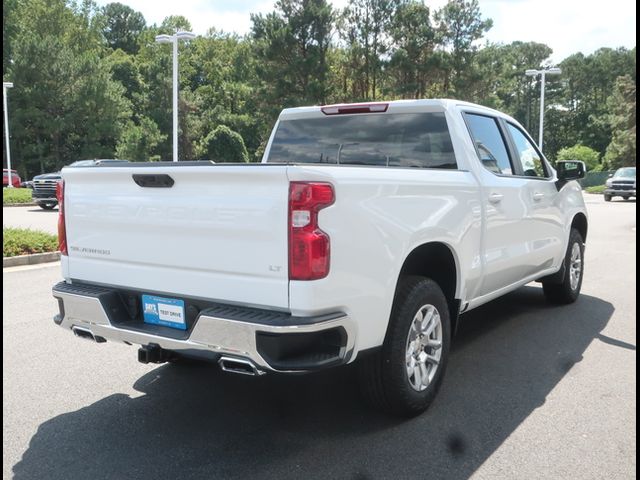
(6, 85)
(543, 74)
(174, 39)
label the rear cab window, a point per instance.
(419, 140)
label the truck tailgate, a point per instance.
(220, 232)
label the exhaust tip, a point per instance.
(239, 365)
(87, 334)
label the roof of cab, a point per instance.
(397, 106)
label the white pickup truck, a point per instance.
(364, 233)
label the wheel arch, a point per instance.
(438, 261)
(581, 224)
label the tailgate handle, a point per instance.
(153, 180)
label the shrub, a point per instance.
(225, 145)
(584, 154)
(139, 142)
(16, 195)
(22, 241)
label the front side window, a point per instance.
(490, 143)
(528, 156)
(419, 140)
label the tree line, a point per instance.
(91, 82)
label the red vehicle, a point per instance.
(15, 178)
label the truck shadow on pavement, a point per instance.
(196, 422)
(42, 210)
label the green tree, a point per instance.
(65, 105)
(579, 152)
(500, 81)
(124, 69)
(9, 30)
(412, 59)
(621, 152)
(221, 73)
(175, 23)
(587, 84)
(461, 25)
(93, 82)
(365, 29)
(223, 145)
(123, 27)
(140, 142)
(153, 64)
(291, 46)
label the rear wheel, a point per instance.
(625, 198)
(568, 289)
(404, 376)
(47, 206)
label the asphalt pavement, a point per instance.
(532, 392)
(32, 217)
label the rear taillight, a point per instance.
(309, 247)
(62, 229)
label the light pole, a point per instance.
(543, 74)
(6, 85)
(174, 39)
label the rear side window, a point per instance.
(419, 140)
(490, 143)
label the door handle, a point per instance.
(495, 197)
(538, 196)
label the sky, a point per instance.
(567, 26)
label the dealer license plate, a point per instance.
(168, 312)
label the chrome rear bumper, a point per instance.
(223, 330)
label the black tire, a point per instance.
(47, 206)
(562, 293)
(625, 198)
(383, 377)
(607, 198)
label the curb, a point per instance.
(32, 259)
(30, 204)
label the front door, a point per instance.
(506, 242)
(540, 193)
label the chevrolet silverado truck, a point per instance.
(364, 234)
(622, 183)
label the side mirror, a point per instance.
(570, 170)
(611, 175)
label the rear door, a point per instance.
(217, 232)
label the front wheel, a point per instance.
(404, 376)
(47, 206)
(625, 198)
(568, 289)
(607, 198)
